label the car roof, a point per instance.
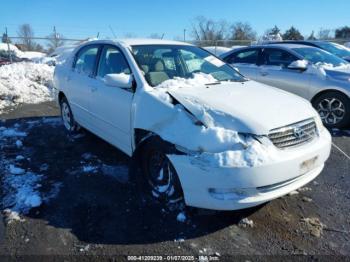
(140, 41)
(287, 45)
(280, 45)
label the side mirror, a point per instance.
(298, 65)
(119, 80)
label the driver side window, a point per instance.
(112, 61)
(277, 57)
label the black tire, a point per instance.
(67, 116)
(159, 178)
(339, 109)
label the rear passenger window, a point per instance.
(86, 60)
(278, 57)
(245, 57)
(112, 61)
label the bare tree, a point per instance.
(242, 31)
(55, 40)
(324, 34)
(208, 31)
(312, 36)
(26, 33)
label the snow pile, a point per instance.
(11, 216)
(270, 38)
(178, 82)
(11, 132)
(62, 53)
(32, 55)
(212, 138)
(181, 217)
(21, 190)
(299, 64)
(332, 67)
(14, 50)
(246, 222)
(25, 82)
(217, 50)
(254, 154)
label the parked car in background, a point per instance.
(5, 59)
(310, 72)
(202, 131)
(333, 48)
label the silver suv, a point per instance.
(310, 72)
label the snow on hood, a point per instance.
(25, 82)
(247, 107)
(325, 69)
(225, 111)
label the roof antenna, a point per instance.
(98, 35)
(114, 35)
(162, 36)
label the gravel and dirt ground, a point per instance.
(91, 205)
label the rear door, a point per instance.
(246, 61)
(273, 70)
(110, 106)
(78, 83)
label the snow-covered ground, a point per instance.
(25, 82)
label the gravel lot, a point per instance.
(93, 206)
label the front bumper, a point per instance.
(224, 188)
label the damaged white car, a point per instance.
(205, 134)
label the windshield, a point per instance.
(335, 49)
(319, 56)
(163, 62)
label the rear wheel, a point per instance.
(160, 179)
(334, 109)
(67, 116)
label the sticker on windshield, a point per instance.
(213, 60)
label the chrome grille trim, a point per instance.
(285, 137)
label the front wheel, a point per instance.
(160, 178)
(334, 109)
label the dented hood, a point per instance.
(248, 107)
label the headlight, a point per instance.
(319, 123)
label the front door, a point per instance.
(110, 106)
(274, 71)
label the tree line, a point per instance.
(208, 30)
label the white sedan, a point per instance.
(204, 134)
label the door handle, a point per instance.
(264, 73)
(93, 88)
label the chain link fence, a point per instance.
(13, 46)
